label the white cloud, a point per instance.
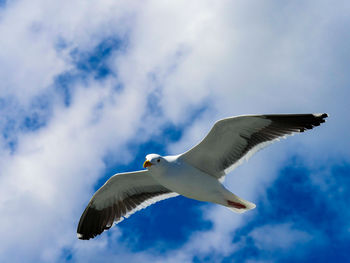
(279, 237)
(52, 173)
(233, 57)
(33, 30)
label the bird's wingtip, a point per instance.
(321, 115)
(80, 236)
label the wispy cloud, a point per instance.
(273, 238)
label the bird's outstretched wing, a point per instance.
(234, 139)
(122, 195)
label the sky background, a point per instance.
(88, 88)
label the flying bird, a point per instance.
(196, 174)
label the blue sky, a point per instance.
(88, 89)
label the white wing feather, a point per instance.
(235, 139)
(122, 195)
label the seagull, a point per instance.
(197, 173)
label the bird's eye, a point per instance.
(158, 160)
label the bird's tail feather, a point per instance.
(239, 205)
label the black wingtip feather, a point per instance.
(93, 221)
(301, 122)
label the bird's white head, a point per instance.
(153, 160)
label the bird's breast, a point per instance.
(188, 181)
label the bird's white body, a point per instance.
(184, 179)
(188, 181)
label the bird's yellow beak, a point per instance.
(147, 164)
